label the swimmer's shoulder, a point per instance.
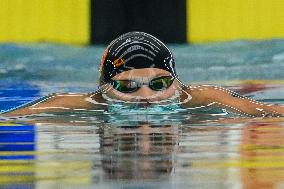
(207, 90)
(58, 102)
(204, 94)
(207, 95)
(77, 100)
(70, 100)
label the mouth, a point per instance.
(144, 103)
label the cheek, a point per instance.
(109, 91)
(167, 93)
(170, 91)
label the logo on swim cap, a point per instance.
(118, 62)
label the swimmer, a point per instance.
(137, 68)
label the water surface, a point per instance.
(143, 150)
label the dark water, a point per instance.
(142, 150)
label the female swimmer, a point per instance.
(138, 68)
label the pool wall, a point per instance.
(99, 21)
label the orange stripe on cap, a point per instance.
(118, 62)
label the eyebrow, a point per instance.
(152, 77)
(148, 78)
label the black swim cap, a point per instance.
(135, 50)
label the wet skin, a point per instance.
(189, 96)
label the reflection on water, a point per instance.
(262, 155)
(145, 152)
(68, 152)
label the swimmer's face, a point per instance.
(124, 87)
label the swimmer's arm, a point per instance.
(219, 97)
(57, 103)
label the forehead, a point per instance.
(145, 72)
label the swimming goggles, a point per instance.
(130, 86)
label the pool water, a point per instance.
(141, 149)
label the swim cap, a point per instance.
(135, 50)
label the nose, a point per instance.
(145, 92)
